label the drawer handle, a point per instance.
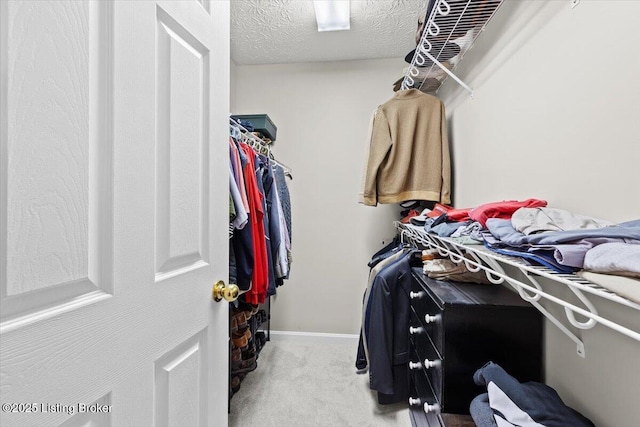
(414, 401)
(418, 330)
(432, 409)
(428, 364)
(431, 318)
(415, 365)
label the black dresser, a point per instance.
(455, 329)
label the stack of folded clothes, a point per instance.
(615, 266)
(508, 402)
(598, 250)
(439, 268)
(555, 238)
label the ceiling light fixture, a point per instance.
(332, 15)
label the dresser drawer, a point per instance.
(432, 329)
(428, 314)
(418, 381)
(422, 401)
(420, 418)
(429, 333)
(426, 363)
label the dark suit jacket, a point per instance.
(388, 332)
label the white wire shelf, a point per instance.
(450, 30)
(477, 257)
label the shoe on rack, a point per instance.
(240, 339)
(235, 384)
(240, 318)
(233, 324)
(261, 340)
(246, 308)
(249, 352)
(246, 367)
(261, 337)
(236, 358)
(248, 363)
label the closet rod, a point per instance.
(261, 142)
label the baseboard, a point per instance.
(314, 336)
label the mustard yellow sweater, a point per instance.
(408, 156)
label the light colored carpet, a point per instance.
(303, 381)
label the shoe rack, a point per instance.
(249, 331)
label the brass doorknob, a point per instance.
(221, 291)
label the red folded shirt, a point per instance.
(504, 209)
(410, 215)
(438, 210)
(458, 215)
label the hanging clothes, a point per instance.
(275, 224)
(408, 156)
(281, 263)
(390, 257)
(241, 253)
(240, 215)
(285, 207)
(260, 244)
(283, 194)
(264, 181)
(236, 163)
(260, 278)
(384, 344)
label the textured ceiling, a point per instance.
(283, 31)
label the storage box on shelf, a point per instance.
(261, 123)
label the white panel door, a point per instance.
(113, 212)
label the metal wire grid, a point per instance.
(450, 30)
(566, 279)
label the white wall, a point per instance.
(232, 86)
(556, 115)
(322, 111)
